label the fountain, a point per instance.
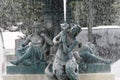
(65, 66)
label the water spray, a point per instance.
(64, 5)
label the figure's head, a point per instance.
(75, 30)
(36, 27)
(64, 26)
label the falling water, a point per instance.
(64, 5)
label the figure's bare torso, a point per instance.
(36, 40)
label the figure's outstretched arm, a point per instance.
(47, 39)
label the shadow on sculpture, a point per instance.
(33, 48)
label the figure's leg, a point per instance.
(58, 71)
(72, 70)
(19, 53)
(49, 74)
(92, 58)
(25, 56)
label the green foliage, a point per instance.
(116, 6)
(79, 12)
(15, 11)
(103, 12)
(28, 11)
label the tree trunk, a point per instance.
(90, 19)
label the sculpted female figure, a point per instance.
(36, 48)
(64, 65)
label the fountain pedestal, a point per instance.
(90, 76)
